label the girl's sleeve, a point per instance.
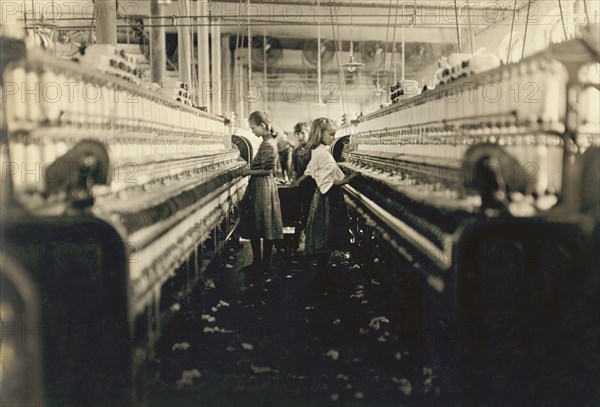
(322, 169)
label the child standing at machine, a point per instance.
(284, 147)
(300, 159)
(327, 226)
(260, 208)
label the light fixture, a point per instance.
(351, 65)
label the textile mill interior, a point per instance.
(300, 203)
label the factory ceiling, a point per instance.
(423, 21)
(356, 20)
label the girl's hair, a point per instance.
(317, 129)
(300, 126)
(259, 118)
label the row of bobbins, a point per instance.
(534, 89)
(41, 95)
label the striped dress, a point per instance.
(260, 208)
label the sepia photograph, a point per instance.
(300, 203)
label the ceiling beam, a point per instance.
(403, 4)
(432, 23)
(427, 35)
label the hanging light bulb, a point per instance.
(351, 65)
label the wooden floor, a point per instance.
(278, 340)
(250, 340)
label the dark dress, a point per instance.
(327, 226)
(283, 149)
(260, 208)
(300, 159)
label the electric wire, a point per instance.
(387, 31)
(457, 26)
(512, 27)
(587, 13)
(393, 61)
(562, 19)
(526, 26)
(337, 58)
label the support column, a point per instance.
(239, 84)
(106, 22)
(215, 33)
(228, 88)
(204, 61)
(158, 43)
(183, 45)
(471, 31)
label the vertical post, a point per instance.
(106, 22)
(227, 75)
(403, 55)
(157, 43)
(471, 31)
(570, 190)
(239, 69)
(265, 67)
(319, 80)
(203, 56)
(183, 44)
(250, 96)
(394, 68)
(215, 33)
